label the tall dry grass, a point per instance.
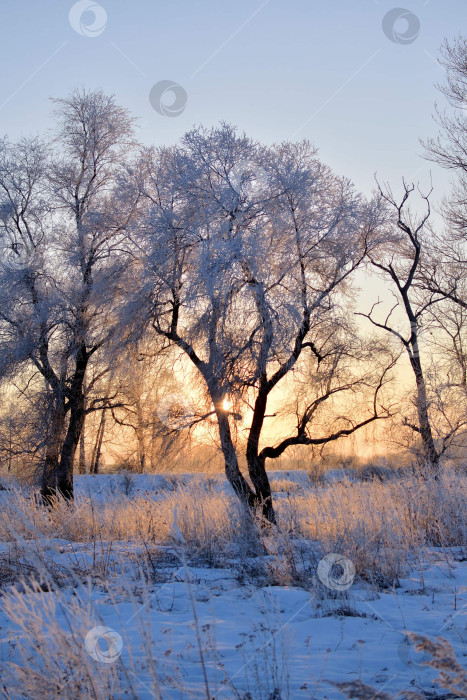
(381, 527)
(53, 559)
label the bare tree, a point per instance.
(144, 404)
(445, 270)
(249, 251)
(448, 345)
(399, 258)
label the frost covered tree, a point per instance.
(64, 261)
(248, 255)
(142, 373)
(445, 271)
(400, 258)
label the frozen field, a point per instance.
(175, 616)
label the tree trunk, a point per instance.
(54, 446)
(232, 471)
(259, 477)
(96, 455)
(256, 462)
(64, 476)
(140, 438)
(10, 444)
(413, 349)
(141, 457)
(152, 454)
(82, 454)
(429, 448)
(64, 483)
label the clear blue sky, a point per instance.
(278, 69)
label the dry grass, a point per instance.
(379, 526)
(53, 661)
(284, 486)
(119, 518)
(122, 544)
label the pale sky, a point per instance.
(279, 69)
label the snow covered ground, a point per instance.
(221, 633)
